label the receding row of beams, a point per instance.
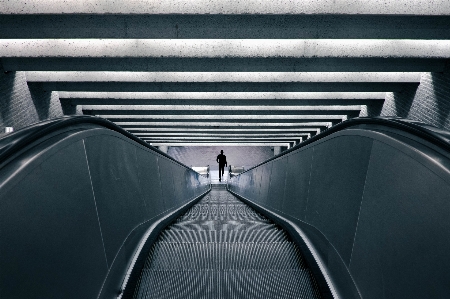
(282, 7)
(225, 26)
(224, 48)
(265, 135)
(168, 130)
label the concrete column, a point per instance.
(163, 148)
(276, 150)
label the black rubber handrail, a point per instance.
(436, 136)
(12, 143)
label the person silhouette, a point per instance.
(222, 160)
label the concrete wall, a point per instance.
(21, 106)
(429, 103)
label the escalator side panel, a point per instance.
(121, 206)
(334, 210)
(277, 179)
(264, 182)
(43, 243)
(150, 182)
(167, 185)
(296, 189)
(402, 241)
(179, 184)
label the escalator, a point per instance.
(88, 210)
(222, 248)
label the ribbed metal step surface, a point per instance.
(222, 248)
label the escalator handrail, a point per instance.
(12, 143)
(436, 136)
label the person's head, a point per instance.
(221, 151)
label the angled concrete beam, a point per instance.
(242, 135)
(325, 7)
(220, 103)
(222, 99)
(159, 130)
(223, 95)
(207, 77)
(218, 114)
(199, 108)
(224, 86)
(220, 64)
(255, 26)
(220, 139)
(322, 123)
(224, 118)
(214, 112)
(224, 48)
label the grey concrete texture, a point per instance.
(200, 26)
(225, 96)
(219, 77)
(20, 106)
(222, 48)
(429, 103)
(339, 7)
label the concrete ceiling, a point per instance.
(224, 72)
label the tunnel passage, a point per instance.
(222, 248)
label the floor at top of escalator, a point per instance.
(222, 248)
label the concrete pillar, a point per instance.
(276, 150)
(163, 148)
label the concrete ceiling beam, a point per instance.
(222, 95)
(170, 108)
(142, 7)
(220, 138)
(225, 48)
(196, 26)
(227, 124)
(221, 77)
(216, 113)
(243, 135)
(223, 64)
(220, 103)
(224, 117)
(224, 86)
(143, 131)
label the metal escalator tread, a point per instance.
(222, 248)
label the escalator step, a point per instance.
(222, 248)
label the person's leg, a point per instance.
(221, 171)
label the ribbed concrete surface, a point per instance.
(221, 248)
